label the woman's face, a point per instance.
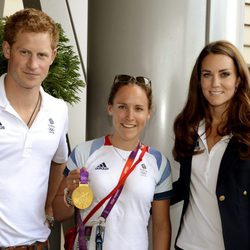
(219, 80)
(129, 113)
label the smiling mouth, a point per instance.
(128, 125)
(216, 92)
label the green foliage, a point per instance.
(63, 80)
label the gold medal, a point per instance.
(82, 196)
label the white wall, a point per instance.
(11, 6)
(227, 21)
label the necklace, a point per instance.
(121, 156)
(34, 113)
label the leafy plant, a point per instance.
(63, 80)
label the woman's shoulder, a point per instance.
(90, 145)
(160, 157)
(83, 150)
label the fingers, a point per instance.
(73, 180)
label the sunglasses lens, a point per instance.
(144, 80)
(127, 78)
(122, 78)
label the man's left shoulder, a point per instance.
(53, 102)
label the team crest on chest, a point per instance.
(143, 170)
(51, 126)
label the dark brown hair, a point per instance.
(30, 20)
(196, 107)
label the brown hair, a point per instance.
(196, 107)
(117, 85)
(30, 20)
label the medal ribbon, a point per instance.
(84, 176)
(81, 239)
(125, 173)
(127, 167)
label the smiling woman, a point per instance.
(212, 145)
(219, 82)
(130, 112)
(143, 175)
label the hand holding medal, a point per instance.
(82, 196)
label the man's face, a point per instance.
(29, 59)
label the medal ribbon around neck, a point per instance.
(114, 194)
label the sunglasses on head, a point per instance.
(137, 79)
